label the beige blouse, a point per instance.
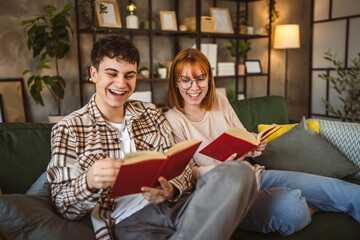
(214, 123)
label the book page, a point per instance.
(267, 132)
(242, 134)
(182, 145)
(140, 156)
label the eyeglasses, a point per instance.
(186, 83)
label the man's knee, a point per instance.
(237, 173)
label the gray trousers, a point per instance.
(212, 212)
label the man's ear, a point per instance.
(93, 74)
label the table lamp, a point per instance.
(286, 36)
(132, 20)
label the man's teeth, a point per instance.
(116, 91)
(194, 94)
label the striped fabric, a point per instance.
(83, 137)
(345, 137)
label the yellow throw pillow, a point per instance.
(285, 128)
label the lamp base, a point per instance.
(132, 22)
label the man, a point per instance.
(87, 146)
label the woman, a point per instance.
(286, 200)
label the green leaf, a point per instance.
(62, 81)
(30, 80)
(25, 22)
(26, 71)
(68, 8)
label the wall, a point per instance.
(15, 57)
(293, 12)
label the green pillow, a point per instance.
(31, 216)
(24, 154)
(303, 150)
(265, 110)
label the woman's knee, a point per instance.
(291, 212)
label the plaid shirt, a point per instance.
(83, 137)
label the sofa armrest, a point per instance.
(261, 110)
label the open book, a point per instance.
(143, 168)
(236, 140)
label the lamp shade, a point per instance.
(287, 36)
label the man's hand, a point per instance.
(157, 195)
(102, 173)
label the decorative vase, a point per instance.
(162, 72)
(132, 22)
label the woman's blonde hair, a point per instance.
(193, 58)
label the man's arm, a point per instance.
(68, 176)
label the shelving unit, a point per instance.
(174, 36)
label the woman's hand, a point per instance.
(262, 146)
(157, 195)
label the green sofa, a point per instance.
(25, 153)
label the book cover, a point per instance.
(236, 140)
(143, 168)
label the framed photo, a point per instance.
(13, 101)
(252, 67)
(168, 21)
(108, 13)
(223, 20)
(2, 118)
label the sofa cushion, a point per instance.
(266, 110)
(302, 149)
(24, 154)
(31, 216)
(345, 137)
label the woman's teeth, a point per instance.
(194, 94)
(113, 91)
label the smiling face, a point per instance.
(115, 82)
(195, 94)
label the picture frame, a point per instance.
(111, 18)
(168, 21)
(13, 100)
(252, 67)
(2, 116)
(223, 20)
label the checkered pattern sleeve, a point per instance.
(68, 180)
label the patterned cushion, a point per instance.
(345, 137)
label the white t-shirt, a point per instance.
(129, 204)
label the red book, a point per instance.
(143, 168)
(236, 140)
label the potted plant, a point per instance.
(273, 15)
(144, 71)
(162, 71)
(49, 37)
(346, 83)
(242, 22)
(243, 49)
